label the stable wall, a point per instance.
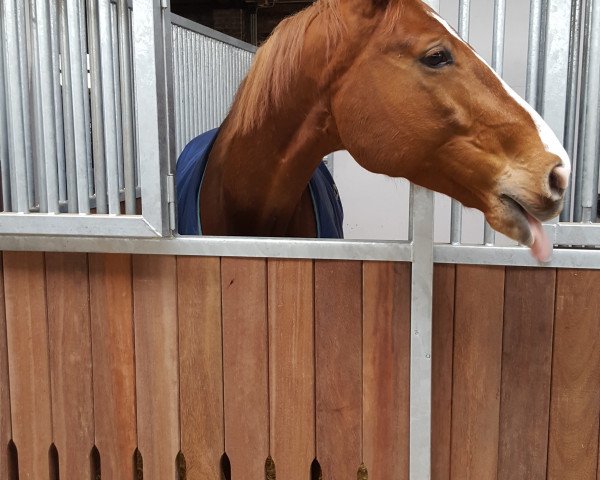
(296, 359)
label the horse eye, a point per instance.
(437, 59)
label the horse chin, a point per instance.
(513, 220)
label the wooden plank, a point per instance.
(338, 351)
(70, 361)
(477, 367)
(201, 366)
(386, 369)
(575, 397)
(291, 367)
(5, 427)
(442, 364)
(526, 372)
(157, 366)
(111, 309)
(245, 368)
(27, 335)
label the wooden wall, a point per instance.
(186, 367)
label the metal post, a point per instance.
(125, 63)
(4, 160)
(534, 56)
(109, 107)
(572, 94)
(152, 99)
(99, 151)
(45, 88)
(489, 235)
(591, 124)
(68, 101)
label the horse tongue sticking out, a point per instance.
(392, 83)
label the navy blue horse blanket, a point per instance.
(190, 172)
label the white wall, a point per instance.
(375, 206)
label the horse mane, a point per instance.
(277, 61)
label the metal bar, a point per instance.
(180, 84)
(464, 24)
(210, 33)
(186, 84)
(97, 108)
(67, 107)
(114, 35)
(489, 235)
(421, 236)
(153, 113)
(78, 101)
(570, 132)
(4, 160)
(125, 62)
(591, 120)
(58, 107)
(109, 107)
(534, 56)
(46, 92)
(195, 86)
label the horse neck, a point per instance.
(255, 180)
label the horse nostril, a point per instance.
(558, 181)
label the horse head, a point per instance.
(412, 99)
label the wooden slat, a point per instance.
(338, 351)
(386, 369)
(157, 367)
(477, 367)
(442, 362)
(111, 308)
(201, 366)
(526, 370)
(291, 367)
(5, 427)
(70, 361)
(27, 335)
(245, 369)
(575, 397)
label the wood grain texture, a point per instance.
(442, 364)
(27, 335)
(70, 361)
(338, 350)
(575, 397)
(201, 365)
(245, 368)
(526, 372)
(5, 426)
(291, 367)
(386, 369)
(111, 310)
(157, 366)
(477, 368)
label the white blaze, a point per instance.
(550, 141)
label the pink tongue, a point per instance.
(541, 248)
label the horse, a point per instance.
(391, 82)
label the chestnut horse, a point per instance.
(392, 83)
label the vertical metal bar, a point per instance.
(196, 89)
(187, 77)
(421, 236)
(180, 82)
(46, 92)
(68, 105)
(572, 94)
(4, 160)
(109, 111)
(204, 86)
(79, 103)
(464, 24)
(533, 59)
(489, 236)
(114, 35)
(591, 84)
(99, 152)
(58, 110)
(153, 113)
(125, 62)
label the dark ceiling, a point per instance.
(232, 16)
